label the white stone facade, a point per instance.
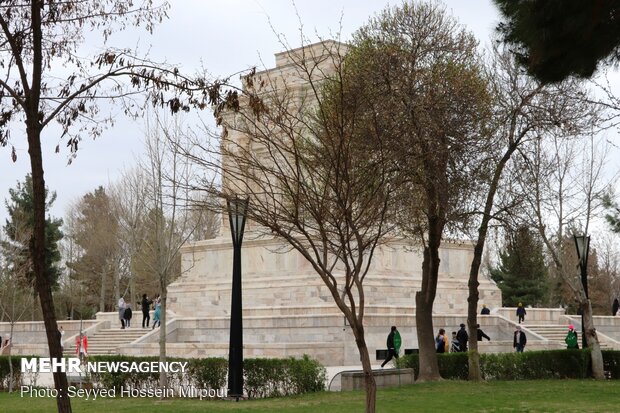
(287, 308)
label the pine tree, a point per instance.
(18, 228)
(555, 39)
(522, 273)
(613, 216)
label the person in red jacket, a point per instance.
(81, 346)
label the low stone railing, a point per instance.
(354, 380)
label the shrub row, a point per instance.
(263, 377)
(530, 365)
(5, 372)
(283, 377)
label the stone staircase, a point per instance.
(107, 341)
(557, 332)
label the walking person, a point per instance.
(121, 311)
(615, 307)
(81, 346)
(146, 309)
(481, 334)
(521, 313)
(520, 340)
(127, 315)
(157, 313)
(463, 338)
(441, 342)
(485, 310)
(392, 346)
(571, 338)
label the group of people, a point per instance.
(125, 313)
(460, 340)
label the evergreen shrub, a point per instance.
(5, 371)
(530, 365)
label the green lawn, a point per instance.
(447, 396)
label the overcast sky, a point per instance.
(224, 36)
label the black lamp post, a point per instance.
(237, 209)
(583, 249)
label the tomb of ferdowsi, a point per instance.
(288, 311)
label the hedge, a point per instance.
(263, 377)
(283, 377)
(530, 365)
(5, 372)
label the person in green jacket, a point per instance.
(393, 343)
(571, 338)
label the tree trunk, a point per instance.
(102, 292)
(10, 352)
(472, 300)
(369, 378)
(117, 288)
(429, 369)
(598, 370)
(38, 256)
(163, 379)
(132, 289)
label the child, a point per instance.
(128, 315)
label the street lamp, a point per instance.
(237, 209)
(582, 243)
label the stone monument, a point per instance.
(288, 311)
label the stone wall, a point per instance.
(274, 276)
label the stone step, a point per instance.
(107, 341)
(557, 332)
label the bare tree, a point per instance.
(565, 188)
(523, 110)
(130, 195)
(426, 80)
(169, 222)
(294, 147)
(94, 231)
(609, 259)
(45, 79)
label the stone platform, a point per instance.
(287, 309)
(275, 277)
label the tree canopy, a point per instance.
(555, 39)
(425, 88)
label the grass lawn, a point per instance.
(447, 396)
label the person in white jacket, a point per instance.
(121, 311)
